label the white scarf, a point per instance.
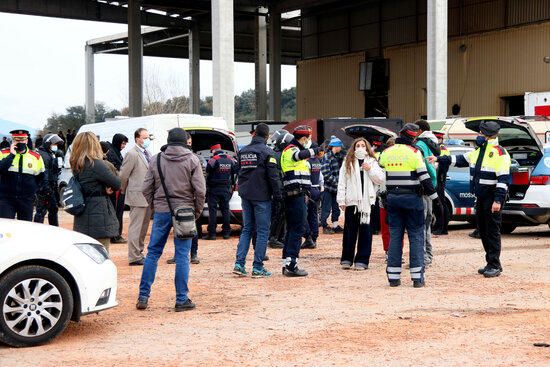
(362, 195)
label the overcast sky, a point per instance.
(42, 69)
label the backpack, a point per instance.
(72, 198)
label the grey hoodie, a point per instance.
(183, 177)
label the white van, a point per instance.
(205, 131)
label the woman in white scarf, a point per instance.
(358, 183)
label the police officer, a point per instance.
(47, 195)
(441, 211)
(314, 198)
(407, 179)
(296, 183)
(489, 179)
(280, 139)
(220, 177)
(21, 174)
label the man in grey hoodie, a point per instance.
(186, 187)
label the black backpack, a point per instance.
(72, 198)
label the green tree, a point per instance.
(75, 117)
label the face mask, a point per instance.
(146, 143)
(21, 147)
(307, 145)
(54, 148)
(360, 153)
(480, 140)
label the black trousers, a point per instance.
(214, 199)
(296, 214)
(118, 203)
(20, 207)
(356, 233)
(489, 225)
(47, 204)
(278, 223)
(441, 211)
(375, 217)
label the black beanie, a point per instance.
(177, 135)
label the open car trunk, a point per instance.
(370, 132)
(203, 139)
(524, 147)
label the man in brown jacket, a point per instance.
(132, 173)
(186, 187)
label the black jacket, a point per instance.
(114, 155)
(99, 218)
(258, 175)
(52, 170)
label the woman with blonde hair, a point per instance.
(99, 219)
(358, 183)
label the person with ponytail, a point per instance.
(358, 183)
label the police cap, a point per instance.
(20, 133)
(489, 128)
(410, 130)
(301, 131)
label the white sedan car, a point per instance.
(49, 276)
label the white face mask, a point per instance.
(54, 148)
(307, 144)
(360, 153)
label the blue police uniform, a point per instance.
(220, 176)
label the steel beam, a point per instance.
(135, 60)
(222, 61)
(260, 64)
(275, 66)
(437, 59)
(194, 69)
(89, 91)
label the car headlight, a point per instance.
(95, 251)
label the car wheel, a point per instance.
(36, 304)
(507, 228)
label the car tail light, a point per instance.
(529, 205)
(520, 178)
(540, 180)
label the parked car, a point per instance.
(49, 276)
(529, 192)
(459, 201)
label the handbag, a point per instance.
(72, 198)
(183, 217)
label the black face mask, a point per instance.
(21, 147)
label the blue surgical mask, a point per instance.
(146, 143)
(54, 148)
(480, 140)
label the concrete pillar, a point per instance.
(135, 59)
(275, 66)
(261, 67)
(90, 84)
(194, 69)
(223, 60)
(437, 59)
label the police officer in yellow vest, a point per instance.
(441, 211)
(296, 184)
(407, 179)
(489, 179)
(21, 174)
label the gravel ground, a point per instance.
(331, 318)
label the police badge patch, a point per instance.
(491, 155)
(29, 165)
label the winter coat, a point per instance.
(99, 218)
(330, 169)
(114, 155)
(350, 192)
(183, 177)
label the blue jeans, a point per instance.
(329, 204)
(405, 212)
(162, 224)
(256, 215)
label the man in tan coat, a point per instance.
(132, 173)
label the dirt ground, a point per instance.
(331, 318)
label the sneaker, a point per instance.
(361, 266)
(226, 236)
(171, 261)
(346, 265)
(328, 230)
(338, 229)
(418, 284)
(195, 259)
(491, 273)
(308, 243)
(395, 283)
(209, 237)
(474, 234)
(142, 303)
(185, 306)
(273, 243)
(240, 270)
(296, 272)
(260, 273)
